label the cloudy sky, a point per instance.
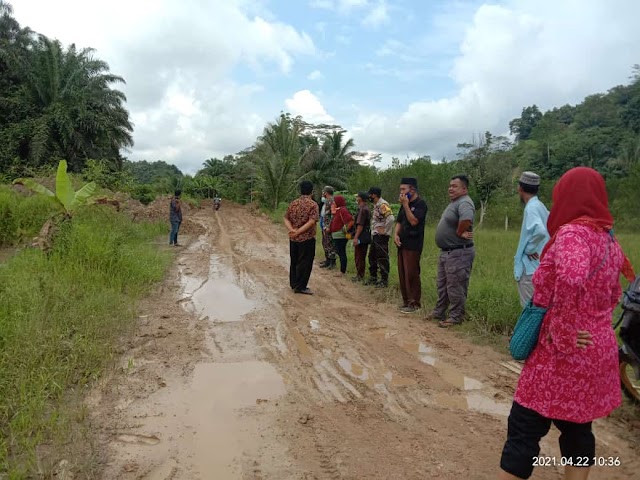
(405, 77)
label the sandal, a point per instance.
(448, 323)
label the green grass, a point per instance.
(60, 316)
(21, 217)
(277, 215)
(493, 303)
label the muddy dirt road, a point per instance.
(232, 376)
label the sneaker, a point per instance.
(324, 264)
(409, 309)
(432, 316)
(371, 281)
(382, 284)
(402, 305)
(357, 279)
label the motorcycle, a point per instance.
(216, 205)
(629, 351)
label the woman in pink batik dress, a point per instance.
(571, 377)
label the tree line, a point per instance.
(56, 103)
(60, 102)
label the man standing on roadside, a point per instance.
(362, 237)
(175, 218)
(409, 239)
(325, 222)
(300, 220)
(533, 235)
(381, 230)
(454, 237)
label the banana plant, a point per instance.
(65, 197)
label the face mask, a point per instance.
(324, 200)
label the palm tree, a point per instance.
(277, 155)
(330, 163)
(79, 115)
(14, 43)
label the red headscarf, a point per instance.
(342, 216)
(580, 197)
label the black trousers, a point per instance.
(302, 255)
(526, 428)
(341, 250)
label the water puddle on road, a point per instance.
(217, 297)
(212, 421)
(217, 393)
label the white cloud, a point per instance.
(177, 59)
(315, 75)
(308, 106)
(377, 16)
(524, 52)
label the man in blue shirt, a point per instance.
(533, 235)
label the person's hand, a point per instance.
(533, 256)
(356, 242)
(467, 235)
(293, 233)
(584, 339)
(404, 200)
(397, 241)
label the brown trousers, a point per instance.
(361, 259)
(409, 273)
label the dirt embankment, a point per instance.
(158, 211)
(232, 376)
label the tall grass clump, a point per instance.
(60, 316)
(21, 217)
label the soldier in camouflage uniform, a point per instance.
(325, 221)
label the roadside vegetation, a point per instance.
(66, 298)
(61, 313)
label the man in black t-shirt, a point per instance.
(409, 239)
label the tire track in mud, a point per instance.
(333, 386)
(352, 358)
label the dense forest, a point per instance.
(61, 102)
